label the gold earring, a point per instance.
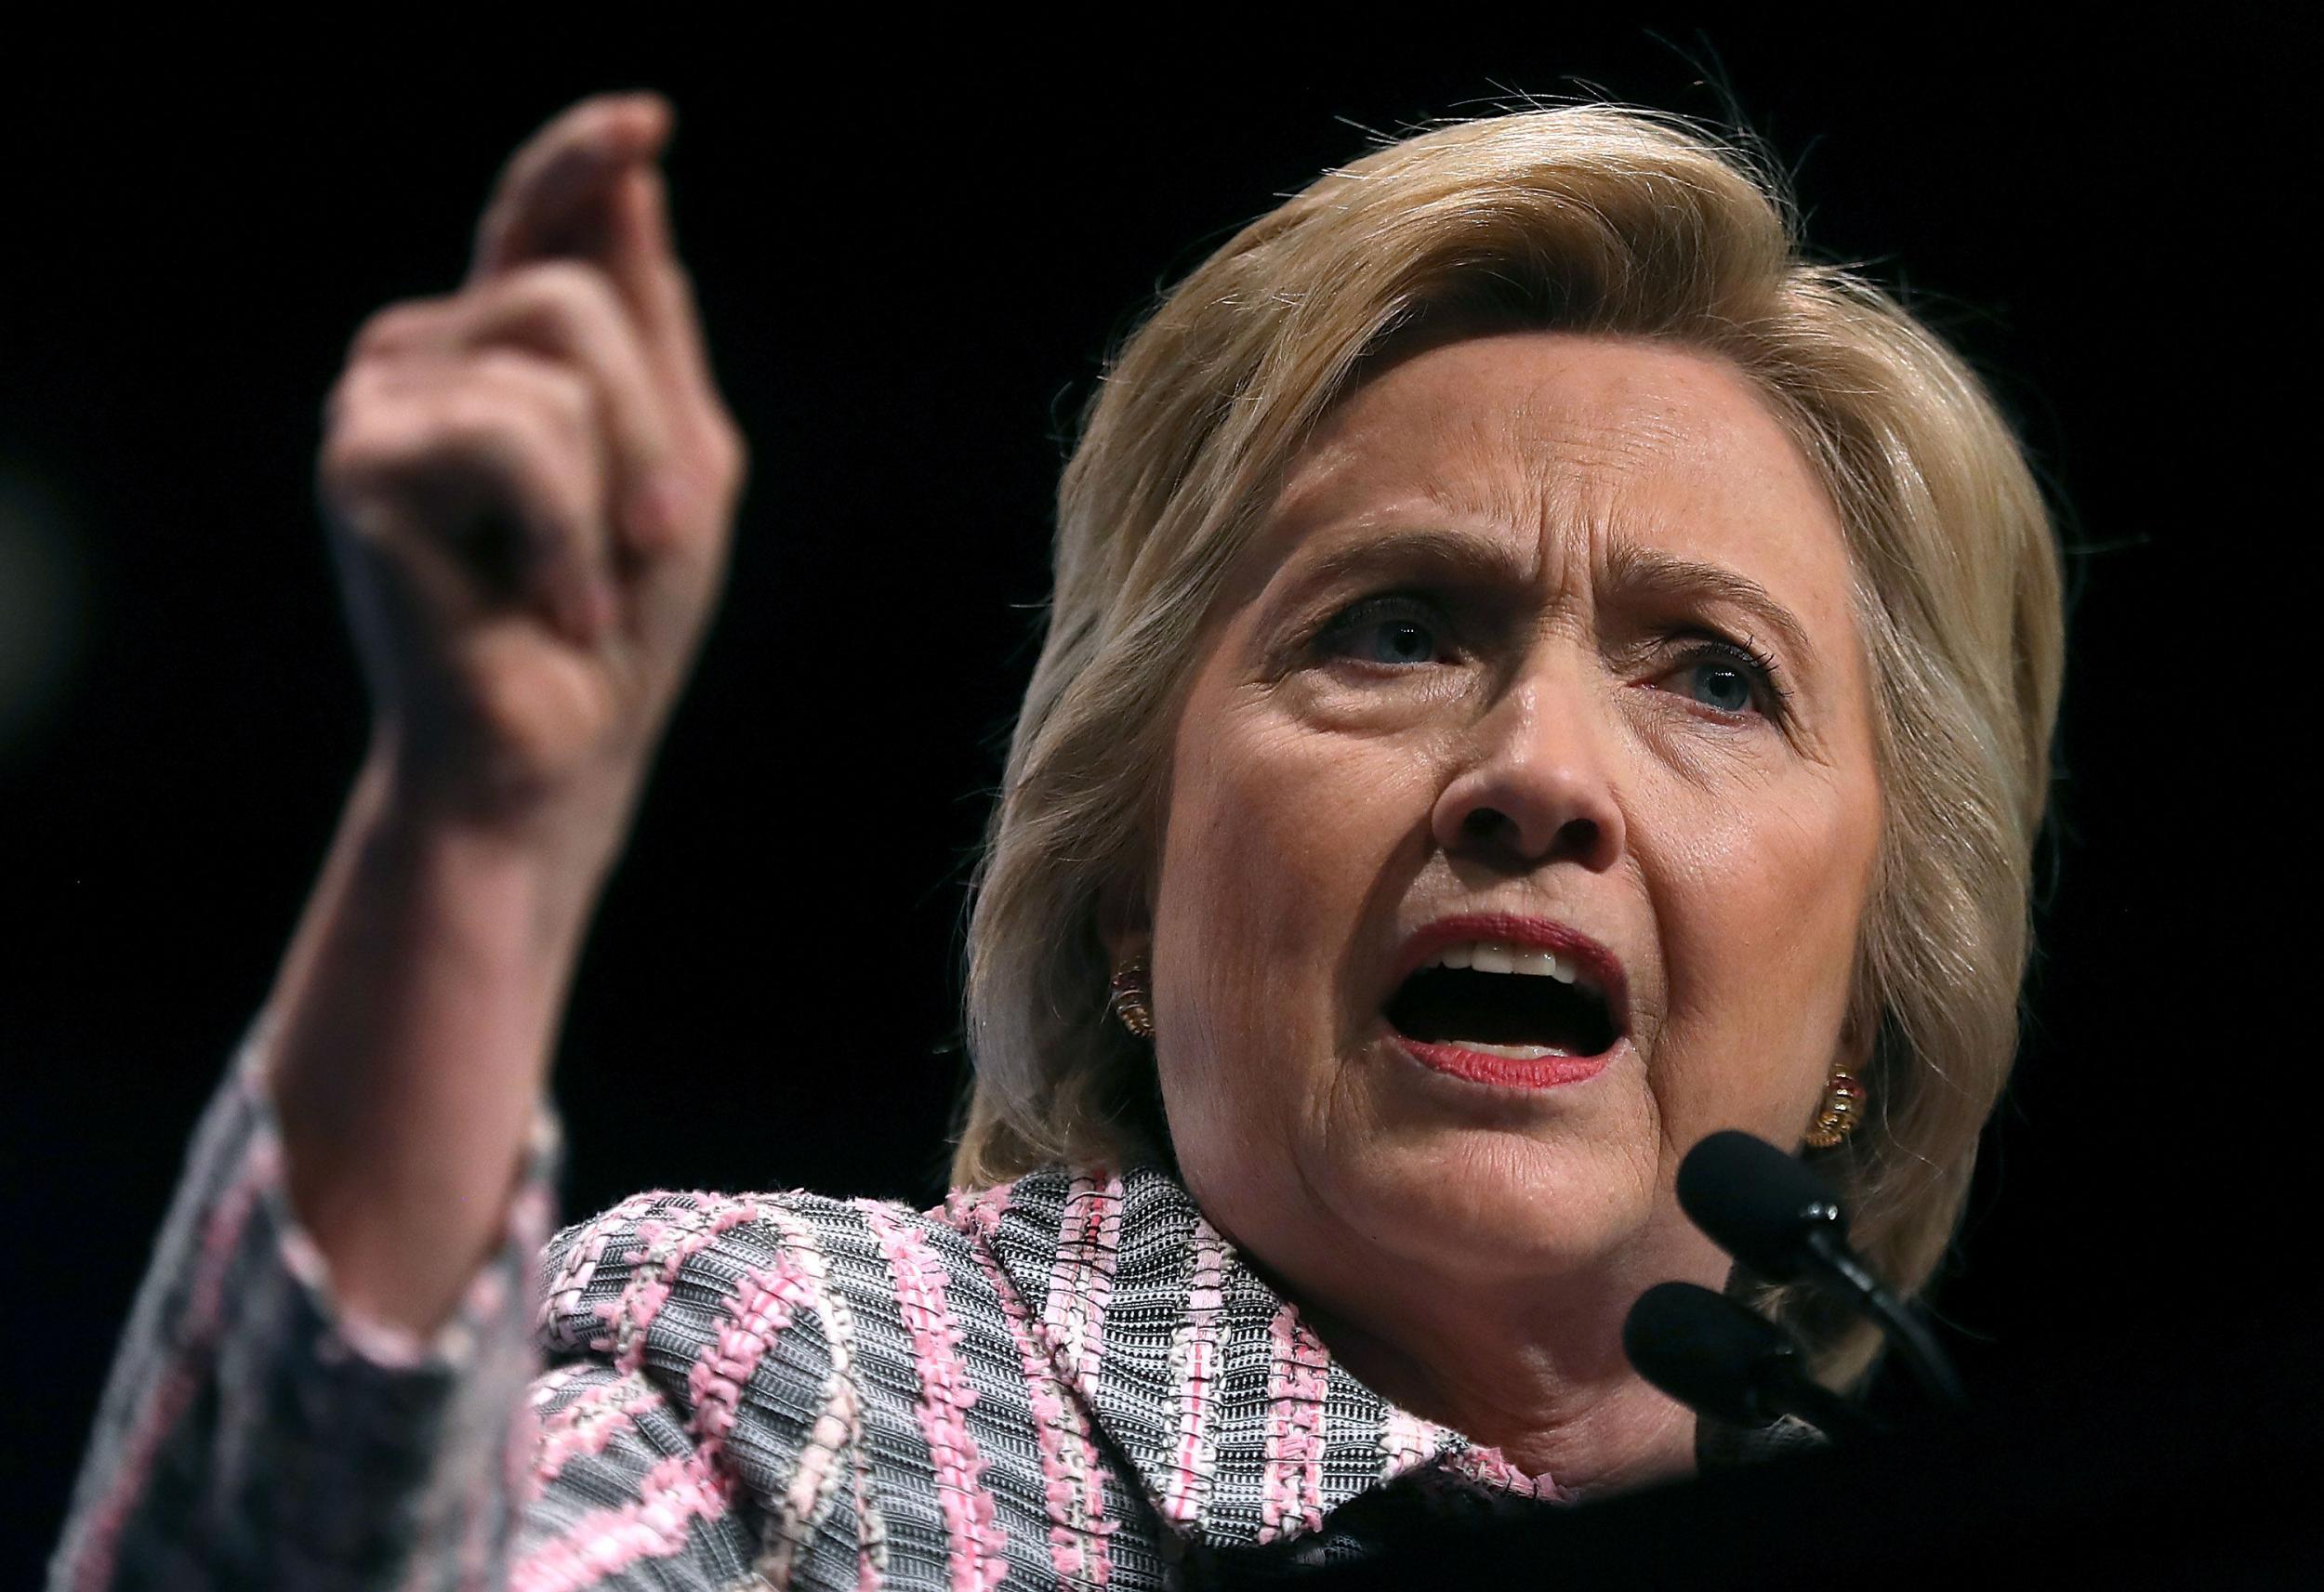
(1129, 997)
(1838, 1111)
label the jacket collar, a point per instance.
(1237, 1424)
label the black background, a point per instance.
(910, 263)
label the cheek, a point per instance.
(1277, 835)
(1761, 912)
(1279, 841)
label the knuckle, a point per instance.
(473, 421)
(572, 400)
(363, 436)
(393, 327)
(573, 290)
(365, 457)
(414, 457)
(564, 394)
(345, 401)
(730, 454)
(443, 435)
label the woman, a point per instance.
(1537, 674)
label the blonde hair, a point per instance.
(1591, 218)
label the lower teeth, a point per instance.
(1509, 1052)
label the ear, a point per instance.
(1858, 1034)
(1125, 926)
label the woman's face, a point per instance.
(1488, 677)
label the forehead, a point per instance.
(1550, 436)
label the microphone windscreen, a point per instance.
(1707, 1351)
(1758, 1203)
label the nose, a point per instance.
(1536, 785)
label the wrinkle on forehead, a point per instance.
(1586, 421)
(1540, 433)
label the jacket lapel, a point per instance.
(1234, 1420)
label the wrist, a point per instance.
(578, 824)
(526, 881)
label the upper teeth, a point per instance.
(1498, 957)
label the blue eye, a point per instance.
(1392, 631)
(1728, 677)
(1717, 683)
(1397, 641)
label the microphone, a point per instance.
(1780, 1220)
(1719, 1360)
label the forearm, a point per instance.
(251, 1434)
(413, 1025)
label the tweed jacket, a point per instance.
(1070, 1381)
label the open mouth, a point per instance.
(1498, 1000)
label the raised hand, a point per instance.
(530, 487)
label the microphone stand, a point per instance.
(1731, 1365)
(1780, 1221)
(1912, 1341)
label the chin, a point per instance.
(1493, 1205)
(1549, 1176)
(1371, 1157)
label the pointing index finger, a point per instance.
(643, 262)
(553, 197)
(586, 187)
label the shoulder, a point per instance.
(696, 1288)
(838, 1353)
(682, 1266)
(665, 1277)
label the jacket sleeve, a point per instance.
(252, 1434)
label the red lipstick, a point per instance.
(1594, 966)
(1510, 1072)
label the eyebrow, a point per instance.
(1446, 554)
(1632, 572)
(1649, 571)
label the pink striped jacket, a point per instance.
(1070, 1381)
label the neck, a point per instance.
(1549, 1387)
